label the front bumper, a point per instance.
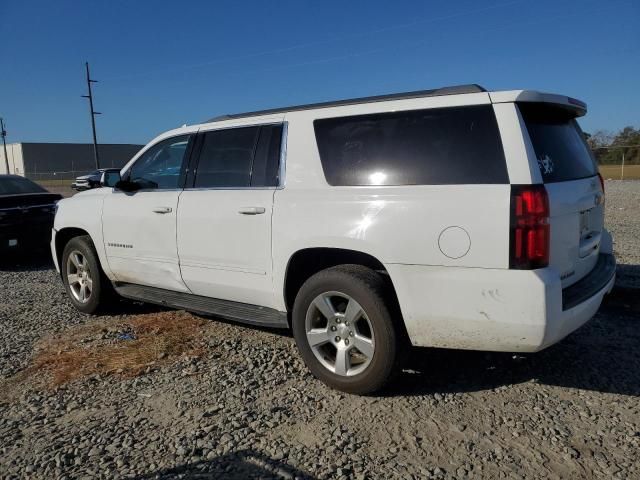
(495, 309)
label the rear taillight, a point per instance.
(601, 181)
(530, 233)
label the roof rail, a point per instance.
(454, 90)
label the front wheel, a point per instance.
(344, 329)
(85, 283)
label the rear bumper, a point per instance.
(583, 290)
(496, 310)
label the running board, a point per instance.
(236, 311)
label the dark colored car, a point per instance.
(91, 180)
(26, 214)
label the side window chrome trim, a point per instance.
(195, 189)
(163, 190)
(243, 125)
(283, 157)
(281, 167)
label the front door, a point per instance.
(139, 228)
(224, 216)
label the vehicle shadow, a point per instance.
(628, 276)
(601, 356)
(244, 464)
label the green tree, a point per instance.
(626, 141)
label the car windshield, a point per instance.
(18, 185)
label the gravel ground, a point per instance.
(248, 408)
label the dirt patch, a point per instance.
(126, 347)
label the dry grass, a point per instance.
(631, 172)
(113, 347)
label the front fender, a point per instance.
(83, 211)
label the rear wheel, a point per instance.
(87, 286)
(344, 329)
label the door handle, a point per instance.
(162, 209)
(251, 210)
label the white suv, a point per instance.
(455, 218)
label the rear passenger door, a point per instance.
(224, 214)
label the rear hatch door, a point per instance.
(576, 197)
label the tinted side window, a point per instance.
(226, 158)
(459, 145)
(561, 151)
(266, 165)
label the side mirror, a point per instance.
(110, 178)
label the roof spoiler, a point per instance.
(569, 103)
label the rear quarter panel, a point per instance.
(395, 224)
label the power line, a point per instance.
(510, 24)
(407, 46)
(298, 46)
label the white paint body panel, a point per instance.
(487, 309)
(140, 243)
(567, 201)
(82, 211)
(445, 247)
(224, 253)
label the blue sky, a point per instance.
(163, 64)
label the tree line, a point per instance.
(626, 140)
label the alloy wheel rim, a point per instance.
(79, 277)
(339, 333)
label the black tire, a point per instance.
(371, 292)
(102, 291)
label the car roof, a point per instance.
(453, 90)
(496, 97)
(274, 115)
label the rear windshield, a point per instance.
(559, 143)
(18, 185)
(458, 145)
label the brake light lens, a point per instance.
(530, 232)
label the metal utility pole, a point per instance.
(93, 115)
(3, 133)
